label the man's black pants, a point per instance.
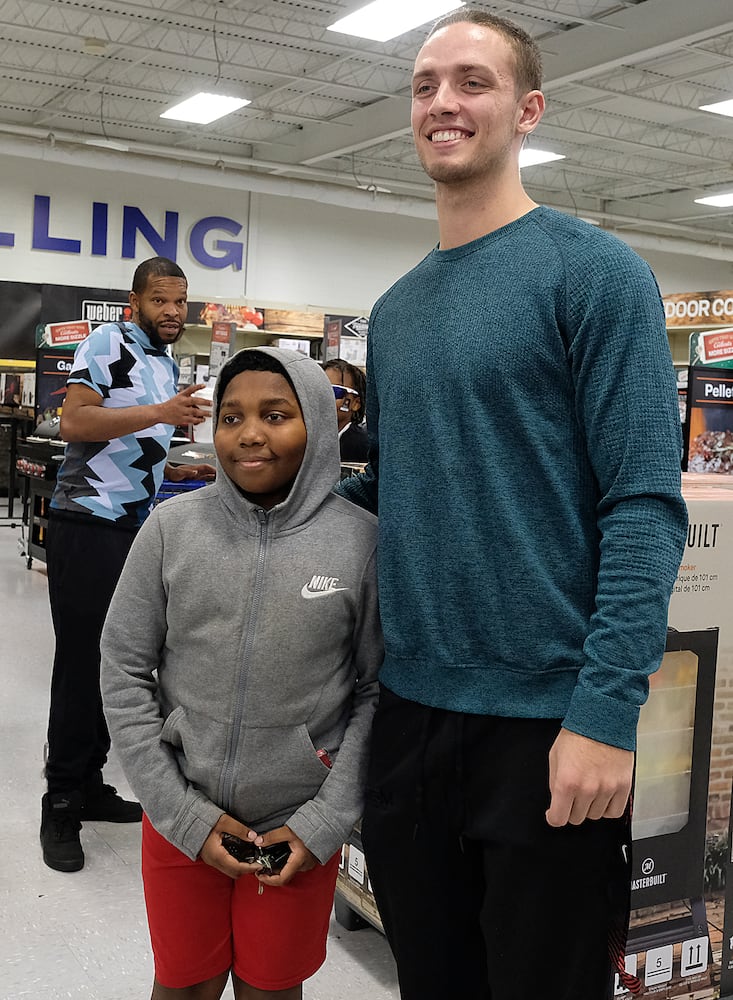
(479, 897)
(84, 562)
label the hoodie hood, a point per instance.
(320, 468)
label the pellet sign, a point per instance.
(202, 239)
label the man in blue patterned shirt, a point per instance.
(119, 414)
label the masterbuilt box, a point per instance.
(681, 935)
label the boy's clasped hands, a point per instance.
(273, 857)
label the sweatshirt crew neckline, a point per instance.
(454, 253)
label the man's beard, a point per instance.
(486, 166)
(157, 342)
(447, 173)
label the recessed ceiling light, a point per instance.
(202, 109)
(721, 108)
(95, 46)
(385, 19)
(717, 200)
(530, 157)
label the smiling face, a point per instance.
(161, 309)
(468, 120)
(260, 436)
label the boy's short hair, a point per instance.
(248, 360)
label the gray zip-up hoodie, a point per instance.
(240, 641)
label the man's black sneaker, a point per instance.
(60, 825)
(102, 802)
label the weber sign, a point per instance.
(105, 312)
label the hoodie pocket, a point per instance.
(169, 733)
(199, 743)
(282, 771)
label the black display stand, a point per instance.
(37, 464)
(18, 422)
(36, 500)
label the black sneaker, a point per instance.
(60, 825)
(103, 803)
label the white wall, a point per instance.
(330, 257)
(688, 274)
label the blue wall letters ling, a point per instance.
(223, 253)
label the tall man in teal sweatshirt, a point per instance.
(530, 530)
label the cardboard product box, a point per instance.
(681, 934)
(28, 390)
(293, 344)
(11, 389)
(354, 896)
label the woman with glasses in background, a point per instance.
(349, 387)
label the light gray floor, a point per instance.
(83, 936)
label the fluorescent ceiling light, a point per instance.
(108, 144)
(718, 200)
(530, 157)
(204, 108)
(385, 19)
(721, 108)
(95, 46)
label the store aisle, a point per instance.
(83, 936)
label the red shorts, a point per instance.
(203, 923)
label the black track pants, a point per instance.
(479, 897)
(84, 563)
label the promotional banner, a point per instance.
(708, 428)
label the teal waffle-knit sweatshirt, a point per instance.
(526, 442)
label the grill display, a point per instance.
(665, 739)
(671, 787)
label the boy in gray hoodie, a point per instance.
(239, 665)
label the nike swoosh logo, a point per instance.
(320, 593)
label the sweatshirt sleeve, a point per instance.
(132, 640)
(324, 822)
(627, 406)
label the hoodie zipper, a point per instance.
(226, 784)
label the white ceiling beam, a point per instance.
(355, 131)
(652, 31)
